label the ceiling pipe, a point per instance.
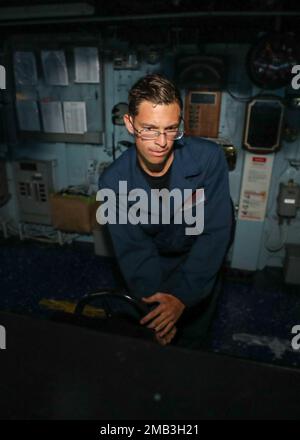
(41, 11)
(126, 18)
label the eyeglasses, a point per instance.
(149, 134)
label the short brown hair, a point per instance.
(154, 88)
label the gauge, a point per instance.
(271, 59)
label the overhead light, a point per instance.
(44, 11)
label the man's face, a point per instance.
(154, 152)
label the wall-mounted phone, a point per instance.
(202, 113)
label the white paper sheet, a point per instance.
(255, 186)
(55, 67)
(75, 117)
(25, 68)
(87, 66)
(52, 117)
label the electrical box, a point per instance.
(128, 61)
(288, 200)
(292, 264)
(33, 186)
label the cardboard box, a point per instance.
(72, 213)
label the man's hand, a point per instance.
(164, 317)
(167, 338)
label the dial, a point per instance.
(271, 59)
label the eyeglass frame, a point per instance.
(157, 131)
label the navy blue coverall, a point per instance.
(162, 258)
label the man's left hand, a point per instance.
(165, 315)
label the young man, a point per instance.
(170, 270)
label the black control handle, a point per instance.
(107, 294)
